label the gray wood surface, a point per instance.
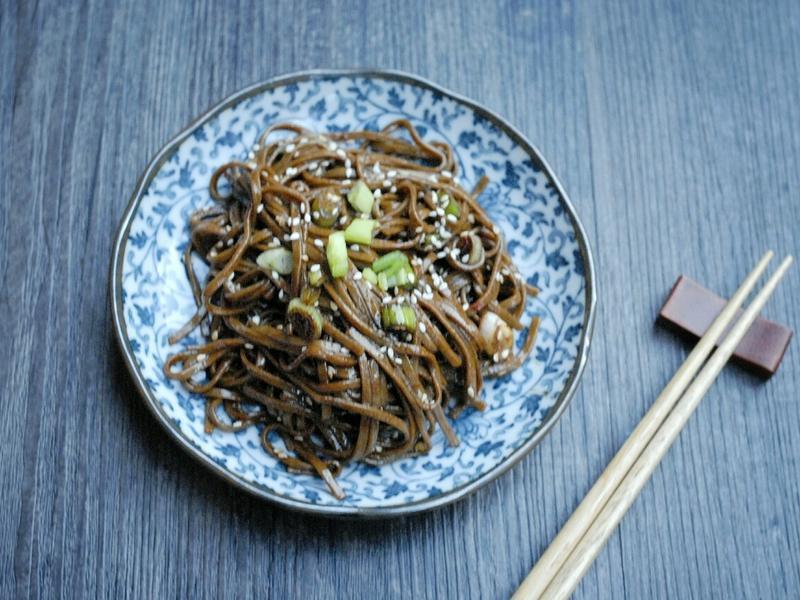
(675, 128)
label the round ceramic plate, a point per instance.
(151, 296)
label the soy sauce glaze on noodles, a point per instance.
(357, 297)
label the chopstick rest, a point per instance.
(690, 308)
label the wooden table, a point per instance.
(676, 131)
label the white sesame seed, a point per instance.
(229, 242)
(260, 208)
(249, 346)
(201, 357)
(304, 257)
(340, 153)
(357, 275)
(355, 247)
(281, 295)
(275, 275)
(411, 278)
(346, 182)
(387, 300)
(302, 208)
(291, 172)
(471, 392)
(422, 327)
(348, 172)
(386, 183)
(307, 218)
(398, 361)
(256, 320)
(314, 268)
(447, 174)
(295, 236)
(260, 360)
(390, 352)
(465, 306)
(315, 214)
(391, 174)
(318, 243)
(504, 354)
(342, 219)
(332, 146)
(393, 189)
(334, 307)
(215, 335)
(376, 194)
(256, 146)
(452, 218)
(290, 148)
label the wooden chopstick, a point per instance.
(566, 540)
(584, 553)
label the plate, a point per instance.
(151, 297)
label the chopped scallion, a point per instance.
(360, 231)
(276, 259)
(360, 197)
(337, 254)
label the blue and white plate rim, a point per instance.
(120, 330)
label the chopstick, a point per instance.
(569, 555)
(572, 531)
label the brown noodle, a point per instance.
(358, 391)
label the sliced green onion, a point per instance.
(453, 208)
(325, 209)
(315, 277)
(276, 259)
(393, 258)
(360, 197)
(398, 276)
(360, 231)
(306, 321)
(399, 317)
(370, 276)
(337, 254)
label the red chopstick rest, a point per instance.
(690, 308)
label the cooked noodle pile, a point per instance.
(356, 298)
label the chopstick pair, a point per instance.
(571, 553)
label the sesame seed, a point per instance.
(357, 275)
(229, 242)
(346, 182)
(302, 208)
(387, 300)
(275, 275)
(290, 148)
(256, 320)
(422, 327)
(314, 268)
(260, 360)
(452, 218)
(260, 208)
(256, 146)
(386, 183)
(343, 220)
(332, 146)
(376, 194)
(291, 172)
(398, 361)
(304, 257)
(334, 307)
(281, 295)
(295, 236)
(411, 278)
(391, 174)
(390, 352)
(249, 346)
(504, 354)
(347, 164)
(215, 335)
(315, 214)
(355, 247)
(465, 306)
(471, 392)
(201, 357)
(307, 218)
(393, 189)
(340, 153)
(348, 172)
(447, 174)
(318, 243)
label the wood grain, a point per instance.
(673, 126)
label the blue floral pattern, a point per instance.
(523, 201)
